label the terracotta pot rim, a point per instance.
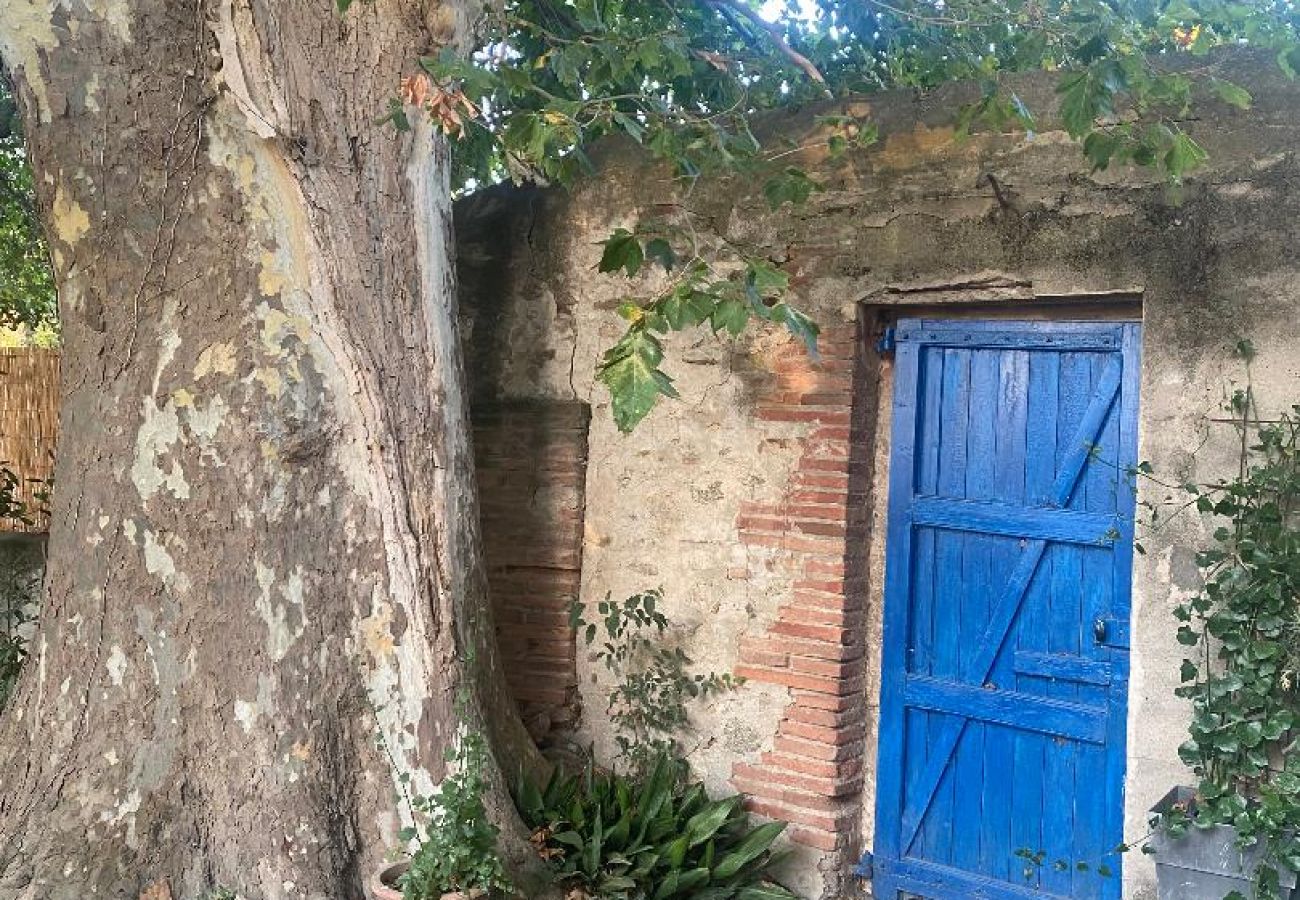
(381, 887)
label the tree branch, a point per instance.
(775, 35)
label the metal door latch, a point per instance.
(1099, 631)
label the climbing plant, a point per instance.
(653, 684)
(686, 81)
(1242, 629)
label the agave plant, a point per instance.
(616, 838)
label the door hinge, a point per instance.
(865, 867)
(887, 341)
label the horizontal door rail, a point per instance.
(1024, 712)
(1024, 336)
(1062, 667)
(1040, 523)
(935, 881)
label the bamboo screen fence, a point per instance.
(29, 425)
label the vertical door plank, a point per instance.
(997, 858)
(1065, 609)
(1040, 474)
(969, 775)
(949, 561)
(921, 651)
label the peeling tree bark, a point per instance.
(264, 552)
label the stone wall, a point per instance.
(755, 501)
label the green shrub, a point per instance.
(615, 837)
(652, 684)
(458, 851)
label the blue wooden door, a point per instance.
(1005, 656)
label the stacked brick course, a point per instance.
(813, 775)
(531, 460)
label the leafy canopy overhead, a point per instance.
(27, 296)
(685, 80)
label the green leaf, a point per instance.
(686, 307)
(1100, 147)
(1230, 93)
(630, 126)
(799, 325)
(765, 892)
(766, 279)
(396, 113)
(622, 251)
(1183, 156)
(1088, 96)
(731, 314)
(660, 250)
(755, 844)
(792, 186)
(705, 824)
(630, 370)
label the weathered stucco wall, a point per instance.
(913, 223)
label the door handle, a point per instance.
(1100, 631)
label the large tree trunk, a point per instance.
(264, 553)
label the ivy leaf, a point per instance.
(793, 186)
(1088, 96)
(766, 279)
(630, 370)
(662, 252)
(1232, 94)
(622, 251)
(1099, 147)
(731, 314)
(1183, 156)
(799, 325)
(686, 306)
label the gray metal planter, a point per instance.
(1206, 863)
